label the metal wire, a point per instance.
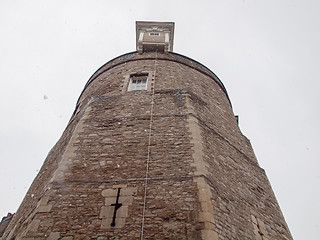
(149, 147)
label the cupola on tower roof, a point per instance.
(154, 36)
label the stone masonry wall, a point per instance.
(203, 180)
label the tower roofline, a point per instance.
(170, 56)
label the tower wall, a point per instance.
(166, 163)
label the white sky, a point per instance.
(266, 52)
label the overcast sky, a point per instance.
(266, 52)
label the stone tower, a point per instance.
(152, 151)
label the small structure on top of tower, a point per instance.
(154, 36)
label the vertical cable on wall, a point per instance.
(149, 147)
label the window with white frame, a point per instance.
(154, 34)
(138, 82)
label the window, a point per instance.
(138, 82)
(154, 34)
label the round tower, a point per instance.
(152, 151)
